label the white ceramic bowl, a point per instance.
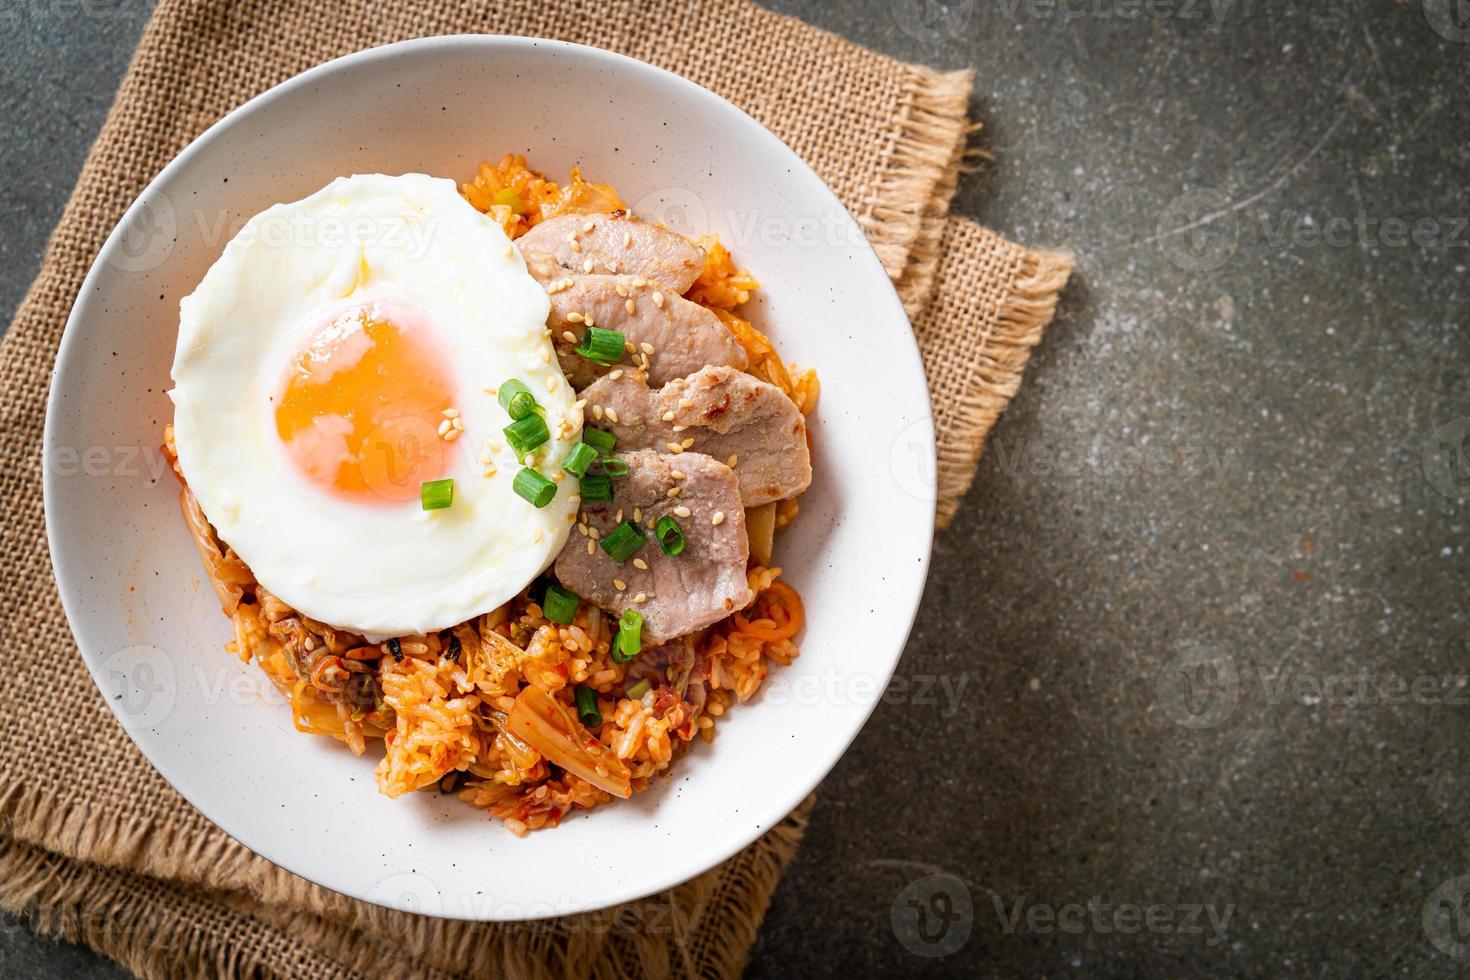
(152, 633)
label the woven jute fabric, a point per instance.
(94, 846)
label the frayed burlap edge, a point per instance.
(904, 216)
(153, 927)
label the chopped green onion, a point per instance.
(587, 709)
(629, 640)
(436, 494)
(625, 539)
(596, 489)
(670, 535)
(560, 605)
(577, 461)
(516, 399)
(532, 486)
(508, 198)
(601, 346)
(527, 433)
(613, 466)
(636, 692)
(599, 439)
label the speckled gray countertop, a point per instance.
(1186, 696)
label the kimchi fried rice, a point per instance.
(513, 712)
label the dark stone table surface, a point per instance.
(1197, 644)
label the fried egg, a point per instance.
(343, 351)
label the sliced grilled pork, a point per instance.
(675, 594)
(682, 337)
(583, 244)
(718, 411)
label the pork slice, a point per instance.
(679, 593)
(682, 337)
(720, 412)
(616, 243)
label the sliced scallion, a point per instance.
(601, 346)
(614, 467)
(526, 434)
(436, 494)
(670, 535)
(624, 539)
(587, 709)
(629, 640)
(599, 439)
(560, 605)
(516, 399)
(636, 692)
(532, 486)
(596, 489)
(577, 461)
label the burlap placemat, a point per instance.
(94, 845)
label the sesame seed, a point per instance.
(682, 511)
(615, 375)
(595, 534)
(597, 412)
(628, 346)
(643, 362)
(640, 563)
(574, 317)
(640, 282)
(588, 227)
(674, 491)
(587, 266)
(536, 538)
(687, 443)
(582, 530)
(619, 584)
(546, 356)
(717, 518)
(577, 246)
(658, 300)
(641, 597)
(622, 290)
(630, 307)
(451, 435)
(646, 347)
(676, 474)
(579, 404)
(674, 447)
(551, 384)
(587, 319)
(451, 413)
(558, 476)
(679, 428)
(627, 239)
(568, 336)
(637, 513)
(612, 267)
(492, 392)
(619, 518)
(612, 415)
(444, 427)
(731, 461)
(669, 415)
(591, 547)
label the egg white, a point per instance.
(377, 570)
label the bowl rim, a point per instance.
(907, 594)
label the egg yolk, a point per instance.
(361, 405)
